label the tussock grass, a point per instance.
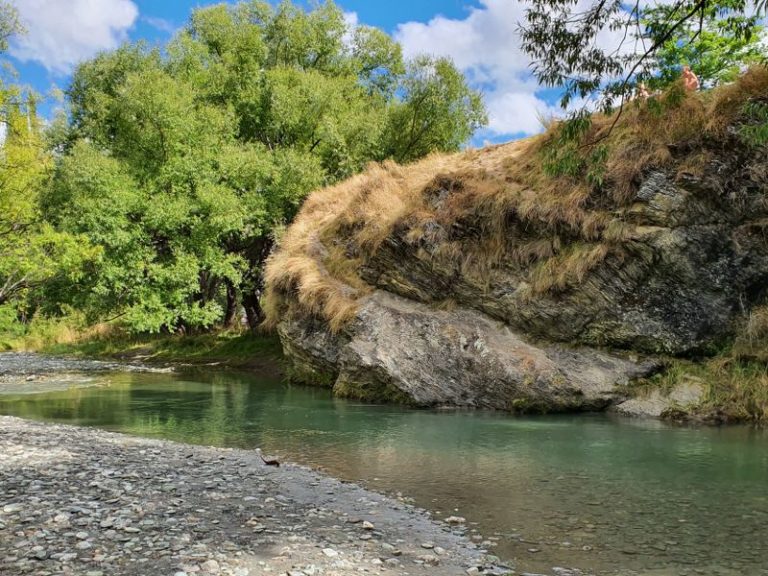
(752, 341)
(554, 210)
(735, 390)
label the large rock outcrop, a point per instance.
(478, 280)
(401, 350)
(696, 256)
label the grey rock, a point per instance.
(692, 260)
(406, 351)
(655, 403)
(330, 552)
(429, 559)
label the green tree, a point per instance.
(715, 48)
(563, 38)
(438, 111)
(210, 146)
(9, 24)
(31, 251)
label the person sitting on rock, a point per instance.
(642, 91)
(690, 80)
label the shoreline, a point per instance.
(236, 351)
(86, 501)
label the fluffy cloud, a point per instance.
(61, 33)
(351, 21)
(161, 24)
(486, 46)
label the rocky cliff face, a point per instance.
(695, 257)
(477, 281)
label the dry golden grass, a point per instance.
(752, 340)
(554, 229)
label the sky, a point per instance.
(479, 35)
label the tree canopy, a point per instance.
(568, 41)
(182, 164)
(32, 252)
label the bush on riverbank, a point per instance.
(232, 349)
(735, 390)
(42, 331)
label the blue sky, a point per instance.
(480, 36)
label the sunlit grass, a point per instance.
(227, 348)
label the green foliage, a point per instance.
(230, 348)
(715, 45)
(735, 390)
(566, 41)
(439, 111)
(9, 23)
(40, 330)
(754, 129)
(181, 165)
(564, 154)
(32, 252)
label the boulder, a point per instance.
(405, 351)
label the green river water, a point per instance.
(606, 495)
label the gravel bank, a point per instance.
(87, 502)
(32, 364)
(30, 373)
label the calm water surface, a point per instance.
(609, 496)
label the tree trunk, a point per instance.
(252, 287)
(253, 310)
(231, 319)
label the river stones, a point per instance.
(85, 501)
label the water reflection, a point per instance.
(613, 496)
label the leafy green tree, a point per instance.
(31, 251)
(715, 48)
(427, 118)
(147, 189)
(9, 24)
(184, 164)
(563, 38)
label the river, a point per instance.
(610, 496)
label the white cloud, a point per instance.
(161, 24)
(351, 21)
(61, 33)
(486, 47)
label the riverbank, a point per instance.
(222, 348)
(31, 373)
(85, 501)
